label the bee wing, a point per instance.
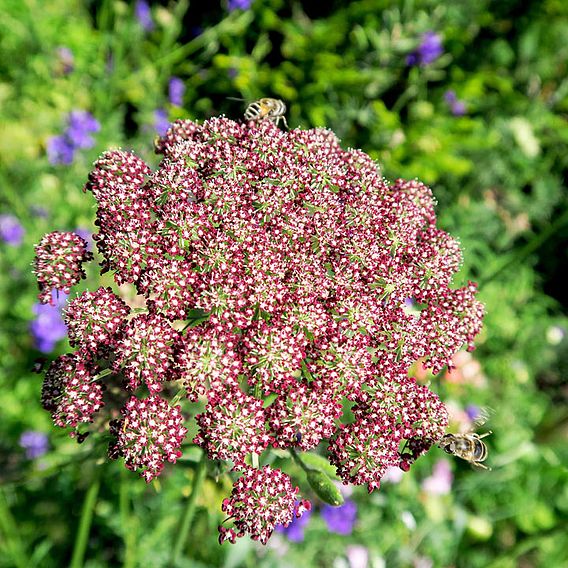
(485, 414)
(478, 466)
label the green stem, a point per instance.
(189, 512)
(85, 521)
(128, 522)
(11, 537)
(299, 461)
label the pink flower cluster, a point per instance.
(59, 263)
(260, 500)
(277, 270)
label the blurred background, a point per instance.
(470, 97)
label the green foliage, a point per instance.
(498, 172)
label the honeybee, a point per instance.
(271, 109)
(469, 445)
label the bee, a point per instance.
(271, 109)
(469, 445)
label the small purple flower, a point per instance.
(340, 520)
(36, 444)
(161, 121)
(472, 411)
(176, 90)
(429, 50)
(11, 232)
(238, 5)
(87, 236)
(144, 15)
(60, 150)
(66, 60)
(457, 107)
(48, 327)
(81, 125)
(294, 532)
(440, 482)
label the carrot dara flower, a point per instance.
(268, 276)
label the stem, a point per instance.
(11, 541)
(177, 397)
(185, 525)
(128, 522)
(85, 521)
(299, 461)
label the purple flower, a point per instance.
(81, 125)
(86, 235)
(35, 443)
(238, 5)
(456, 106)
(440, 482)
(161, 121)
(11, 232)
(144, 15)
(176, 90)
(48, 326)
(65, 59)
(60, 150)
(429, 50)
(340, 520)
(294, 532)
(472, 411)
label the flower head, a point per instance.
(176, 89)
(149, 434)
(48, 327)
(238, 5)
(457, 107)
(145, 352)
(429, 50)
(341, 519)
(11, 231)
(278, 275)
(60, 150)
(144, 15)
(260, 500)
(69, 391)
(80, 125)
(233, 426)
(59, 263)
(34, 443)
(302, 416)
(94, 319)
(161, 121)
